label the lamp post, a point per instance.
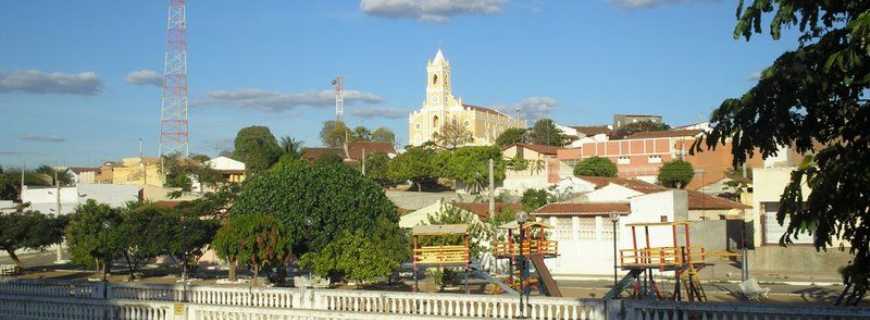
(522, 217)
(614, 218)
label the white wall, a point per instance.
(115, 195)
(224, 163)
(44, 199)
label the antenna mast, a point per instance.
(338, 83)
(174, 134)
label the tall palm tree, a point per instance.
(291, 147)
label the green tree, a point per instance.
(470, 166)
(316, 203)
(92, 236)
(377, 168)
(533, 199)
(181, 172)
(545, 132)
(414, 165)
(291, 147)
(55, 176)
(334, 133)
(641, 126)
(257, 148)
(384, 135)
(676, 174)
(144, 233)
(29, 230)
(188, 236)
(361, 255)
(452, 134)
(596, 167)
(812, 99)
(361, 133)
(329, 159)
(199, 158)
(256, 239)
(511, 136)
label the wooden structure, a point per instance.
(535, 243)
(679, 257)
(534, 248)
(441, 255)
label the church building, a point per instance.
(441, 106)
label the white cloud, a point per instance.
(389, 113)
(643, 4)
(38, 82)
(38, 138)
(145, 77)
(430, 10)
(535, 107)
(271, 101)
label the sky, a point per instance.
(80, 80)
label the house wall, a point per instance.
(132, 172)
(111, 194)
(538, 175)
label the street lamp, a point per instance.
(614, 218)
(522, 217)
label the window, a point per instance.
(587, 228)
(663, 218)
(623, 160)
(655, 159)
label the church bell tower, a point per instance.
(438, 82)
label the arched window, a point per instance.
(435, 79)
(435, 122)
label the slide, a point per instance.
(546, 280)
(623, 284)
(483, 275)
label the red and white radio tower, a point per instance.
(174, 134)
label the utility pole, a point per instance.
(364, 161)
(491, 190)
(59, 258)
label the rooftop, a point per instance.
(663, 134)
(481, 209)
(584, 209)
(539, 148)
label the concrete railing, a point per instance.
(661, 310)
(212, 295)
(37, 308)
(60, 289)
(456, 305)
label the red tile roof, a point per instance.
(312, 154)
(355, 149)
(663, 134)
(481, 210)
(539, 148)
(633, 184)
(583, 209)
(702, 201)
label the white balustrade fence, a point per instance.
(52, 300)
(662, 310)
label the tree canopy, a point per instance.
(812, 99)
(545, 132)
(641, 126)
(29, 230)
(676, 174)
(596, 167)
(384, 135)
(92, 236)
(377, 168)
(335, 133)
(470, 166)
(533, 199)
(511, 136)
(415, 165)
(291, 147)
(453, 133)
(256, 239)
(317, 203)
(257, 148)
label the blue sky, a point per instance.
(73, 90)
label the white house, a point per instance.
(45, 199)
(585, 232)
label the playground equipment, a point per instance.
(676, 255)
(441, 255)
(535, 248)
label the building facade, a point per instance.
(620, 120)
(441, 106)
(138, 171)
